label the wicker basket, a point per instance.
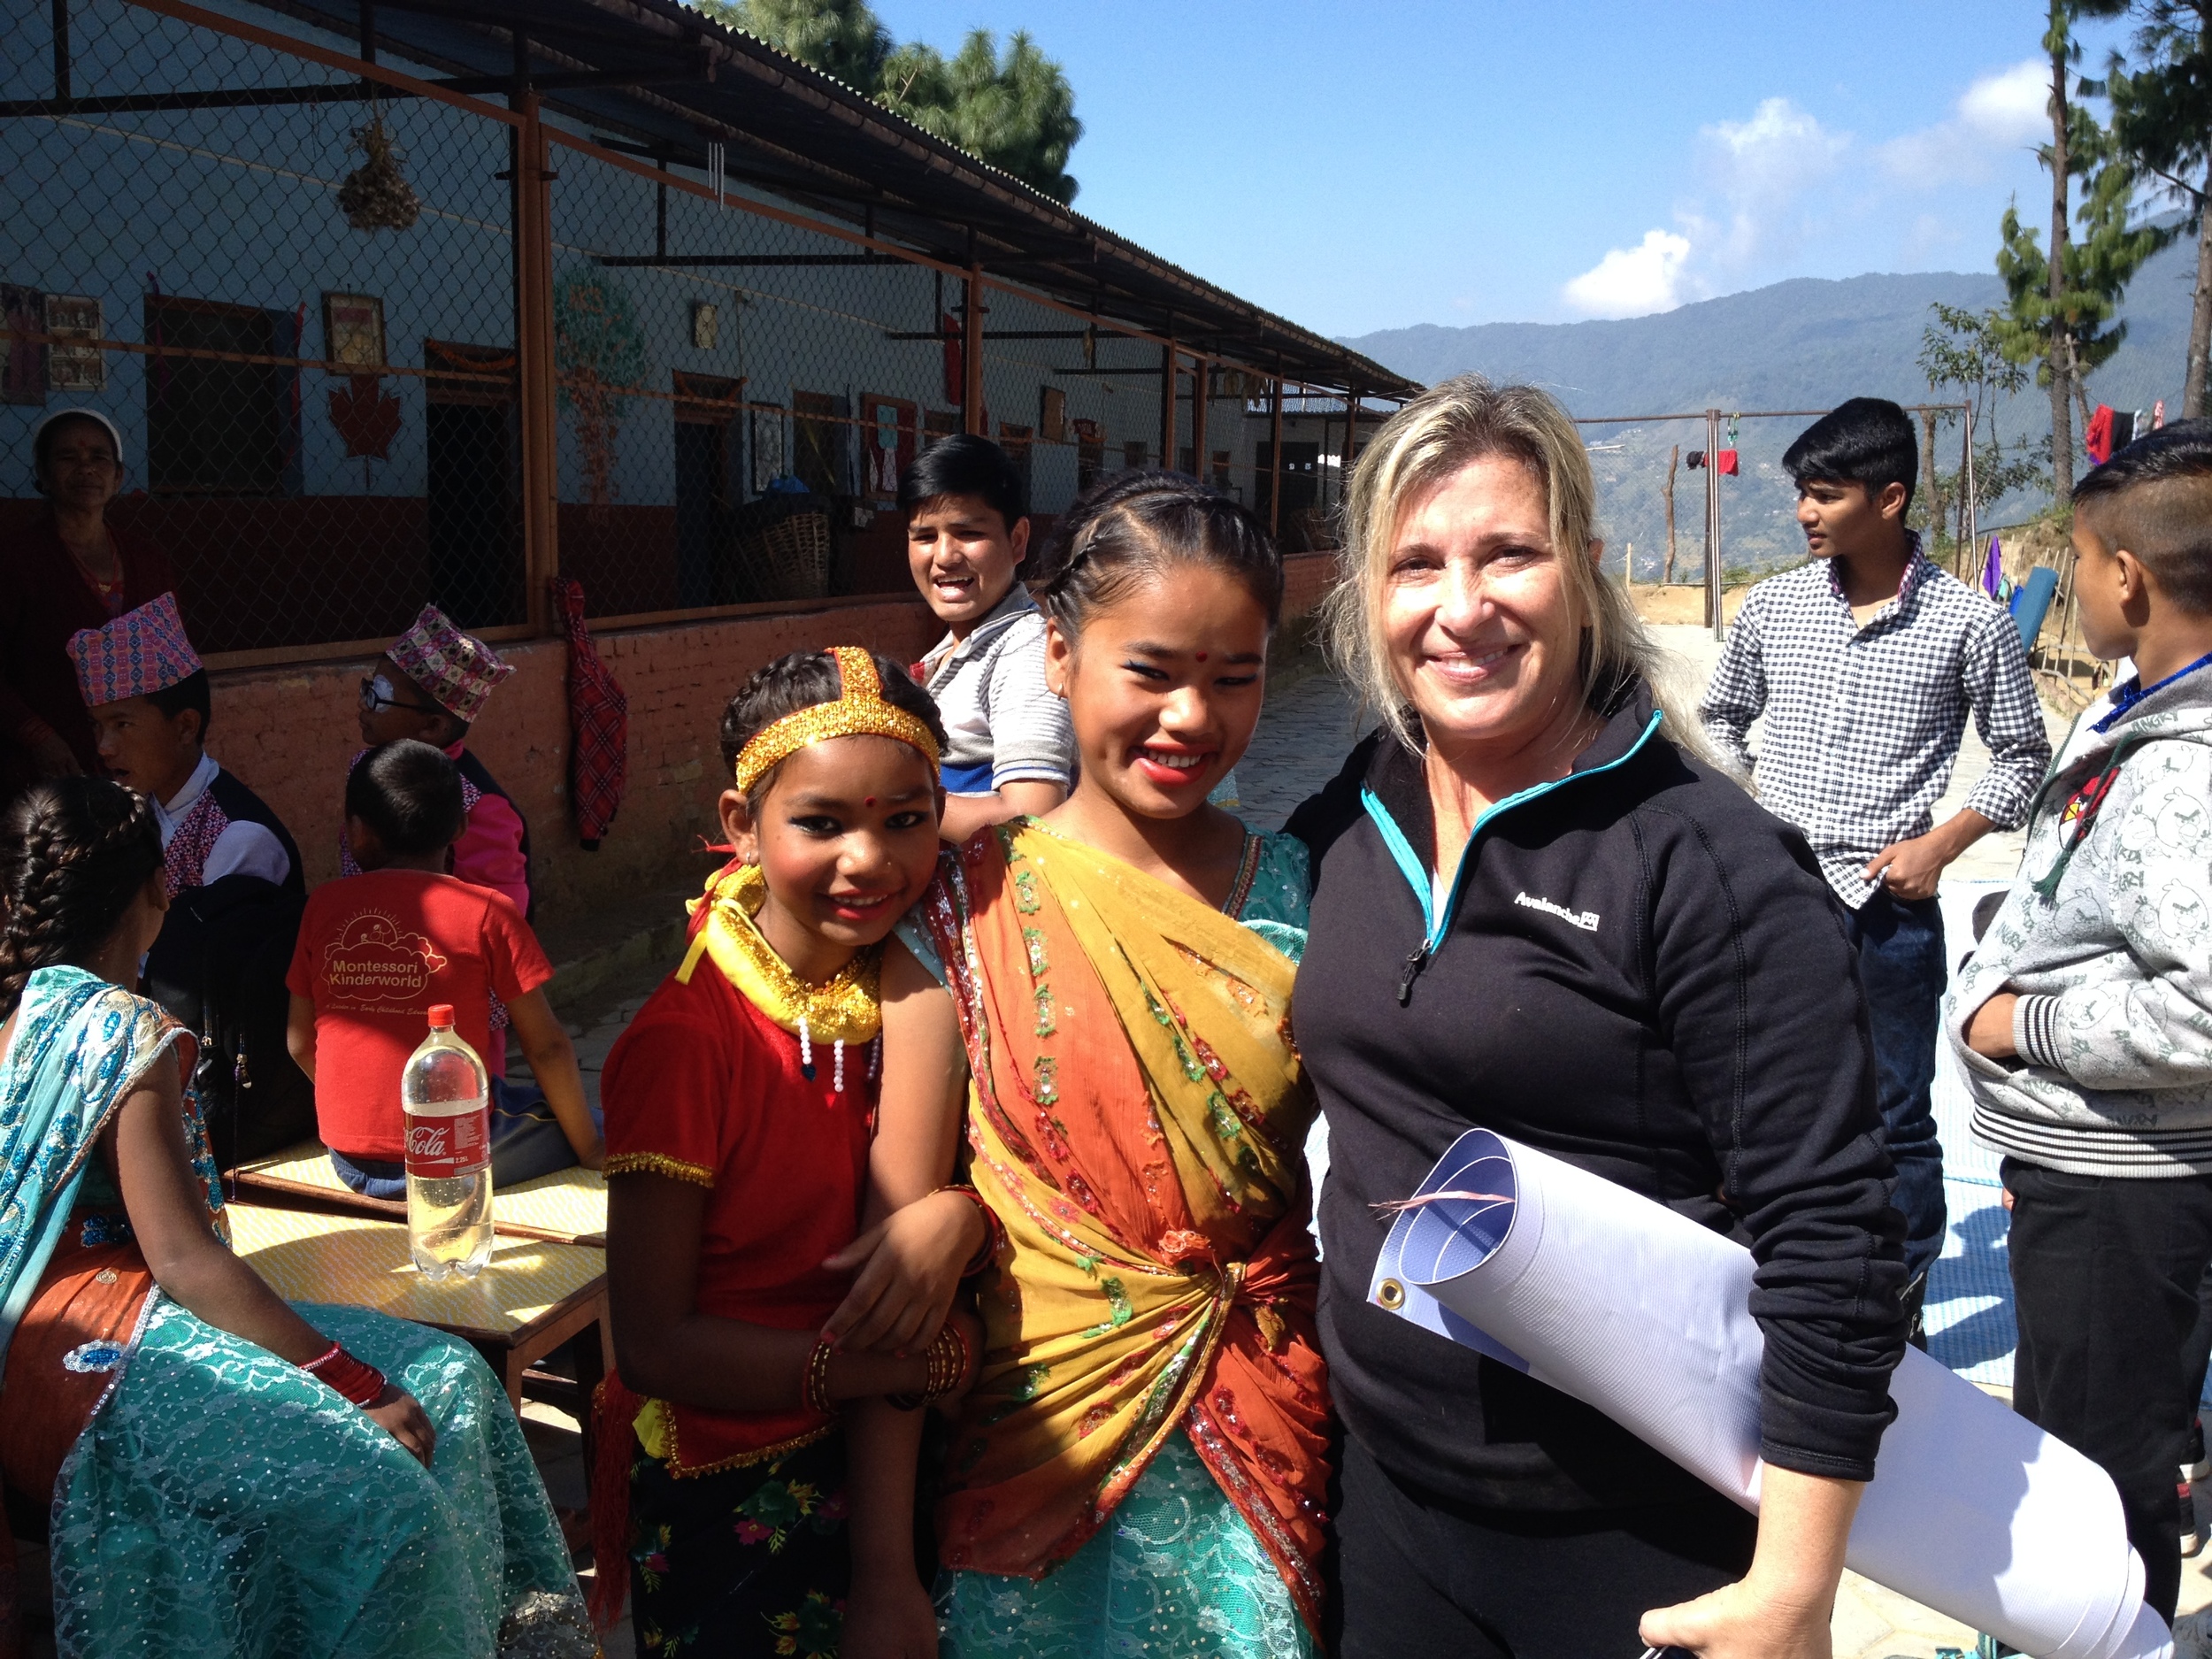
(788, 559)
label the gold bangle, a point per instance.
(814, 1391)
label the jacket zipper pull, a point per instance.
(1415, 962)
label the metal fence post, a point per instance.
(1201, 372)
(1275, 479)
(536, 384)
(975, 419)
(1713, 608)
(1167, 405)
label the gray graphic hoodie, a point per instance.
(2107, 934)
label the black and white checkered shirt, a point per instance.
(1862, 724)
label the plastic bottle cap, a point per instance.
(442, 1016)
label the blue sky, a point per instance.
(1363, 166)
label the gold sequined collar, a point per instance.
(845, 1009)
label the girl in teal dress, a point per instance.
(222, 1473)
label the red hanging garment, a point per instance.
(2098, 440)
(1725, 462)
(598, 723)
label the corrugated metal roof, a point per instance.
(790, 130)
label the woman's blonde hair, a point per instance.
(1453, 423)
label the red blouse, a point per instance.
(704, 1087)
(44, 599)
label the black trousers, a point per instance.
(1419, 1577)
(2105, 1273)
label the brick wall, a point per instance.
(290, 732)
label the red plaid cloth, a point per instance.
(598, 723)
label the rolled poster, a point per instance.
(1644, 1315)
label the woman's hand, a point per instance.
(1781, 1608)
(889, 1616)
(403, 1417)
(912, 1268)
(1741, 1621)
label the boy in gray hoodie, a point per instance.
(2084, 1020)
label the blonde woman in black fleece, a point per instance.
(1540, 910)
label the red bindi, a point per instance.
(1201, 657)
(870, 801)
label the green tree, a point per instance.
(843, 38)
(1016, 112)
(2061, 305)
(2162, 121)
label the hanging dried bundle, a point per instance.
(375, 196)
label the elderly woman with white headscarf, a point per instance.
(1541, 911)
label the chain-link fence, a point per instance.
(372, 340)
(1659, 477)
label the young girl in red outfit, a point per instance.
(770, 1474)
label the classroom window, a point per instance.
(216, 425)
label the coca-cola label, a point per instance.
(439, 1149)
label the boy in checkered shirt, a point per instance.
(1865, 664)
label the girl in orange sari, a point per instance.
(1141, 1467)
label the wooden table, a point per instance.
(567, 1207)
(531, 1296)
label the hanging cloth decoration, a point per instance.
(2098, 439)
(1724, 460)
(598, 723)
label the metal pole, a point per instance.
(61, 50)
(534, 370)
(1712, 524)
(1202, 373)
(1275, 479)
(975, 419)
(1167, 405)
(1351, 443)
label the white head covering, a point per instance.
(115, 433)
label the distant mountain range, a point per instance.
(1807, 343)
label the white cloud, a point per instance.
(1765, 167)
(1634, 281)
(2002, 112)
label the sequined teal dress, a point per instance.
(220, 1501)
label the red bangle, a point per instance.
(354, 1380)
(992, 1228)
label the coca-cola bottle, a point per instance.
(446, 1098)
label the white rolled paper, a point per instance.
(1644, 1315)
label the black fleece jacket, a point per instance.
(1642, 972)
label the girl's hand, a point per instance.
(913, 1261)
(403, 1417)
(889, 1616)
(1742, 1621)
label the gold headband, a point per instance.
(860, 710)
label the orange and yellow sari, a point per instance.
(1137, 1121)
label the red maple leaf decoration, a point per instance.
(365, 417)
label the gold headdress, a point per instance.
(860, 710)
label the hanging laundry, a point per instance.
(1694, 459)
(2158, 414)
(2097, 440)
(1725, 462)
(1994, 568)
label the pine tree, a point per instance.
(843, 38)
(2059, 305)
(1017, 113)
(2162, 120)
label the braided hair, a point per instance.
(1138, 524)
(73, 852)
(799, 680)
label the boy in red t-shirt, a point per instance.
(376, 950)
